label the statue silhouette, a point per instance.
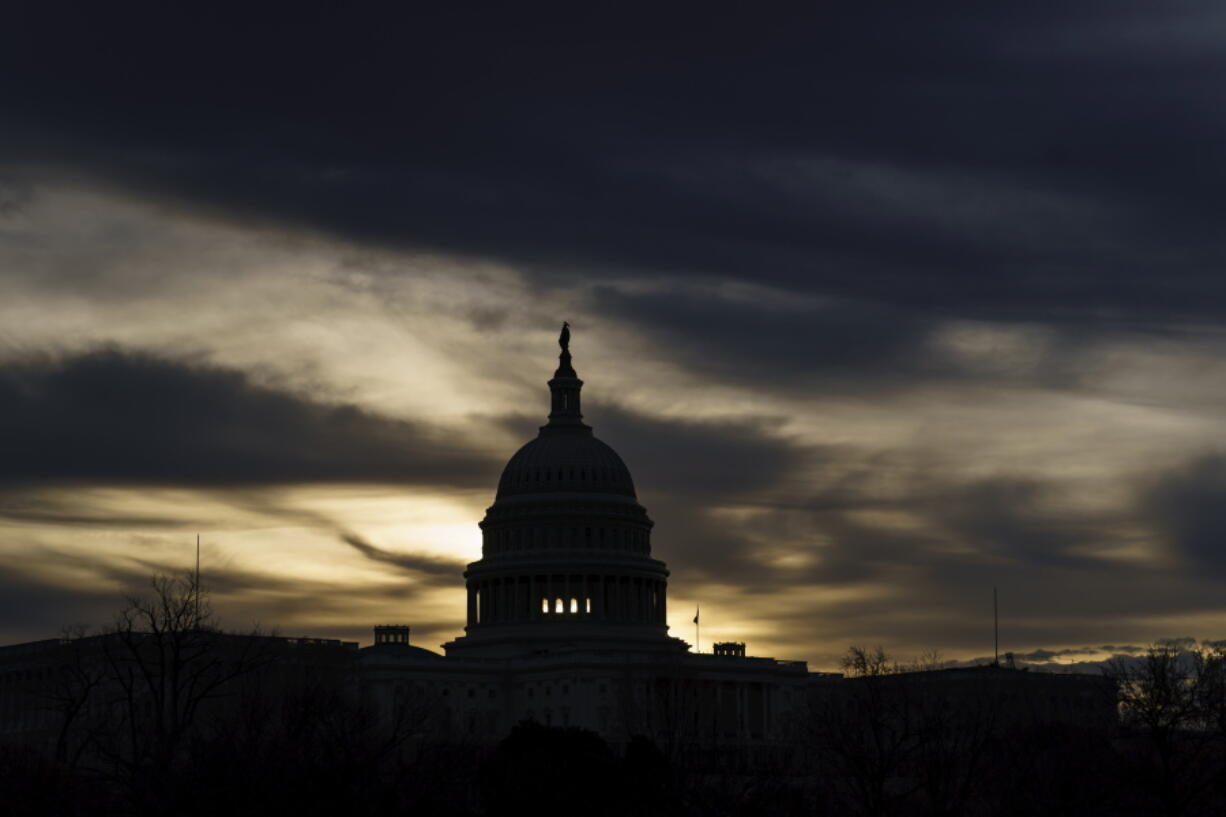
(564, 338)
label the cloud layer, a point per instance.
(884, 306)
(116, 417)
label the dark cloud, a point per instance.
(1187, 506)
(1036, 163)
(32, 608)
(71, 508)
(432, 569)
(1017, 519)
(45, 591)
(122, 417)
(713, 460)
(786, 344)
(14, 196)
(1180, 643)
(800, 344)
(959, 534)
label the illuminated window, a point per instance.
(558, 606)
(587, 605)
(544, 605)
(574, 605)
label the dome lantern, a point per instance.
(564, 388)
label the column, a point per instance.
(472, 605)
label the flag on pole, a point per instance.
(697, 640)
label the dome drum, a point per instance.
(575, 535)
(554, 595)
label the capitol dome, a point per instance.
(565, 460)
(566, 546)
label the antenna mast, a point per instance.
(197, 588)
(995, 630)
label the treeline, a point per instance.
(163, 714)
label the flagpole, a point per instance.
(697, 629)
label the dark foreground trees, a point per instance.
(891, 739)
(1173, 743)
(541, 769)
(1149, 740)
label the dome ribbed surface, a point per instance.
(565, 460)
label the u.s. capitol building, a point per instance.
(566, 626)
(567, 614)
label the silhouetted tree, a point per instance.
(648, 777)
(168, 666)
(894, 738)
(1171, 707)
(551, 770)
(864, 735)
(134, 700)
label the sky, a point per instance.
(883, 304)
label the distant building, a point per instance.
(105, 682)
